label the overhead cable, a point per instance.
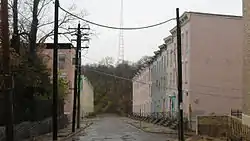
(113, 27)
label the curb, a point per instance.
(78, 131)
(154, 132)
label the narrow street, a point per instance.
(112, 128)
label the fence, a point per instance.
(30, 129)
(229, 127)
(41, 109)
(236, 113)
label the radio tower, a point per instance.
(121, 38)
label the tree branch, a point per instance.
(44, 4)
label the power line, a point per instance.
(146, 83)
(113, 27)
(206, 86)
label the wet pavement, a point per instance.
(113, 128)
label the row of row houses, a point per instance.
(212, 68)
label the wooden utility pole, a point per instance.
(179, 64)
(78, 46)
(55, 73)
(79, 91)
(77, 79)
(7, 77)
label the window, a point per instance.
(73, 61)
(175, 54)
(157, 67)
(185, 72)
(164, 83)
(167, 81)
(182, 43)
(62, 57)
(187, 42)
(170, 80)
(164, 63)
(167, 58)
(62, 60)
(159, 84)
(171, 58)
(174, 79)
(175, 58)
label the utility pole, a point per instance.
(79, 91)
(179, 63)
(8, 79)
(77, 81)
(78, 46)
(55, 73)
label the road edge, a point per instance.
(75, 133)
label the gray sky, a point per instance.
(140, 13)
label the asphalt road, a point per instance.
(113, 128)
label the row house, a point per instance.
(246, 66)
(211, 62)
(161, 84)
(142, 91)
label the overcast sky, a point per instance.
(140, 13)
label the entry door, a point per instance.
(173, 102)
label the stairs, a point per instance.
(166, 121)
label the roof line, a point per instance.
(214, 14)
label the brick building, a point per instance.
(246, 64)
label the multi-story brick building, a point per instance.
(212, 66)
(211, 58)
(246, 65)
(65, 66)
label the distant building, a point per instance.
(66, 68)
(246, 65)
(87, 97)
(142, 91)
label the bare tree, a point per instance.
(36, 24)
(15, 41)
(107, 61)
(33, 28)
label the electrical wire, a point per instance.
(128, 79)
(212, 87)
(113, 27)
(133, 28)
